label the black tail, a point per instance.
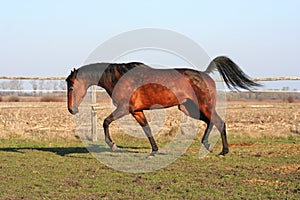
(233, 76)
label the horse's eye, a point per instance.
(71, 89)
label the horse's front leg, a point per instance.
(118, 113)
(141, 119)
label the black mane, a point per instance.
(121, 69)
(94, 72)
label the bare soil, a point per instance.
(263, 162)
(243, 118)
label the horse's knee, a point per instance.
(106, 123)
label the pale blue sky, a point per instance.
(48, 38)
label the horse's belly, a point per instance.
(153, 96)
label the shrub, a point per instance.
(49, 98)
(290, 99)
(14, 99)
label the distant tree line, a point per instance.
(289, 96)
(37, 86)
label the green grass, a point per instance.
(267, 168)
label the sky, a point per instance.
(49, 38)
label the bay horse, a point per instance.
(135, 87)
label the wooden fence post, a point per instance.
(94, 114)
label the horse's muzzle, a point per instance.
(73, 110)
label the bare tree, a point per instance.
(4, 86)
(55, 85)
(41, 86)
(34, 86)
(47, 86)
(63, 85)
(16, 85)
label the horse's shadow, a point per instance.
(64, 151)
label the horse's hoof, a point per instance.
(114, 147)
(207, 147)
(152, 154)
(223, 153)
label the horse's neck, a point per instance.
(106, 75)
(108, 79)
(113, 73)
(91, 74)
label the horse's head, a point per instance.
(76, 91)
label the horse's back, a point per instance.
(144, 87)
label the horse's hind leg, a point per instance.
(190, 109)
(209, 126)
(116, 114)
(141, 119)
(221, 126)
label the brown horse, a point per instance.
(135, 87)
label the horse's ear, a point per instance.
(73, 73)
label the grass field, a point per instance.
(263, 162)
(255, 169)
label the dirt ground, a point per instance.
(263, 119)
(243, 118)
(52, 163)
